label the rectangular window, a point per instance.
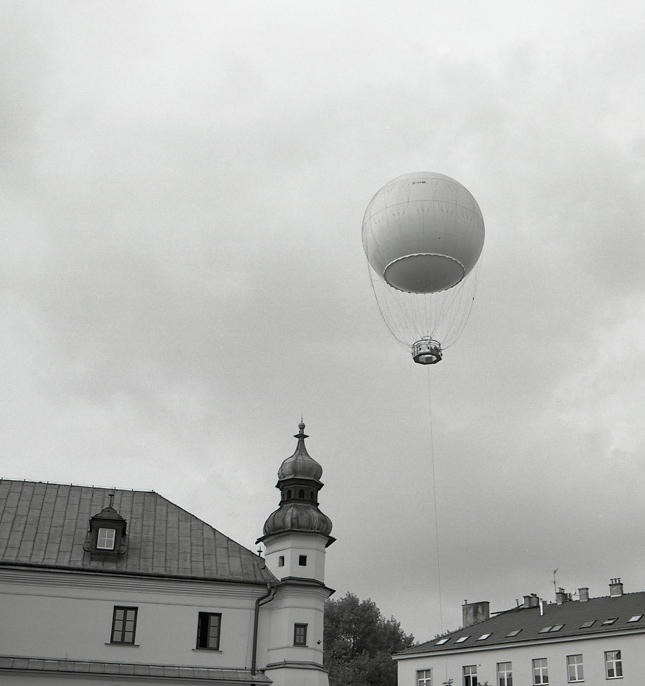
(424, 677)
(302, 560)
(470, 675)
(574, 668)
(504, 674)
(300, 635)
(105, 539)
(613, 664)
(209, 628)
(124, 624)
(540, 671)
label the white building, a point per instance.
(589, 640)
(117, 587)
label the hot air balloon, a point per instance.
(423, 234)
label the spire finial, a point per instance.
(301, 433)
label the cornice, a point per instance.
(96, 581)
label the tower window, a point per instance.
(289, 494)
(105, 539)
(281, 561)
(301, 493)
(209, 626)
(300, 635)
(302, 560)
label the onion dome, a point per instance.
(301, 517)
(299, 483)
(300, 464)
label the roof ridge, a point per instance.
(63, 483)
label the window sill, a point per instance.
(206, 650)
(123, 645)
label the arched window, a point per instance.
(301, 493)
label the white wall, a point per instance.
(290, 546)
(69, 615)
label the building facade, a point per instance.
(101, 586)
(590, 641)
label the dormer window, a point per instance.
(107, 534)
(106, 539)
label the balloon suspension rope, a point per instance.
(434, 500)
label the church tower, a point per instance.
(295, 537)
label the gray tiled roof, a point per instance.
(210, 674)
(46, 524)
(571, 614)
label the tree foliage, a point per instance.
(359, 641)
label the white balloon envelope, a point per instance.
(423, 234)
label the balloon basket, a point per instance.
(427, 351)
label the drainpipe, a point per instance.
(262, 600)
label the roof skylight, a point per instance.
(442, 641)
(635, 618)
(611, 620)
(557, 627)
(513, 633)
(483, 636)
(461, 639)
(588, 624)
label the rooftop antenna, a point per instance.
(555, 586)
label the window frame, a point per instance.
(204, 638)
(504, 673)
(540, 671)
(118, 634)
(101, 540)
(470, 677)
(424, 677)
(616, 664)
(579, 673)
(300, 635)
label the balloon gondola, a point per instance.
(422, 235)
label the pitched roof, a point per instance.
(45, 524)
(557, 621)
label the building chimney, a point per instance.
(615, 588)
(473, 613)
(531, 600)
(560, 596)
(584, 594)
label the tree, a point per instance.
(359, 641)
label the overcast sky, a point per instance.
(183, 186)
